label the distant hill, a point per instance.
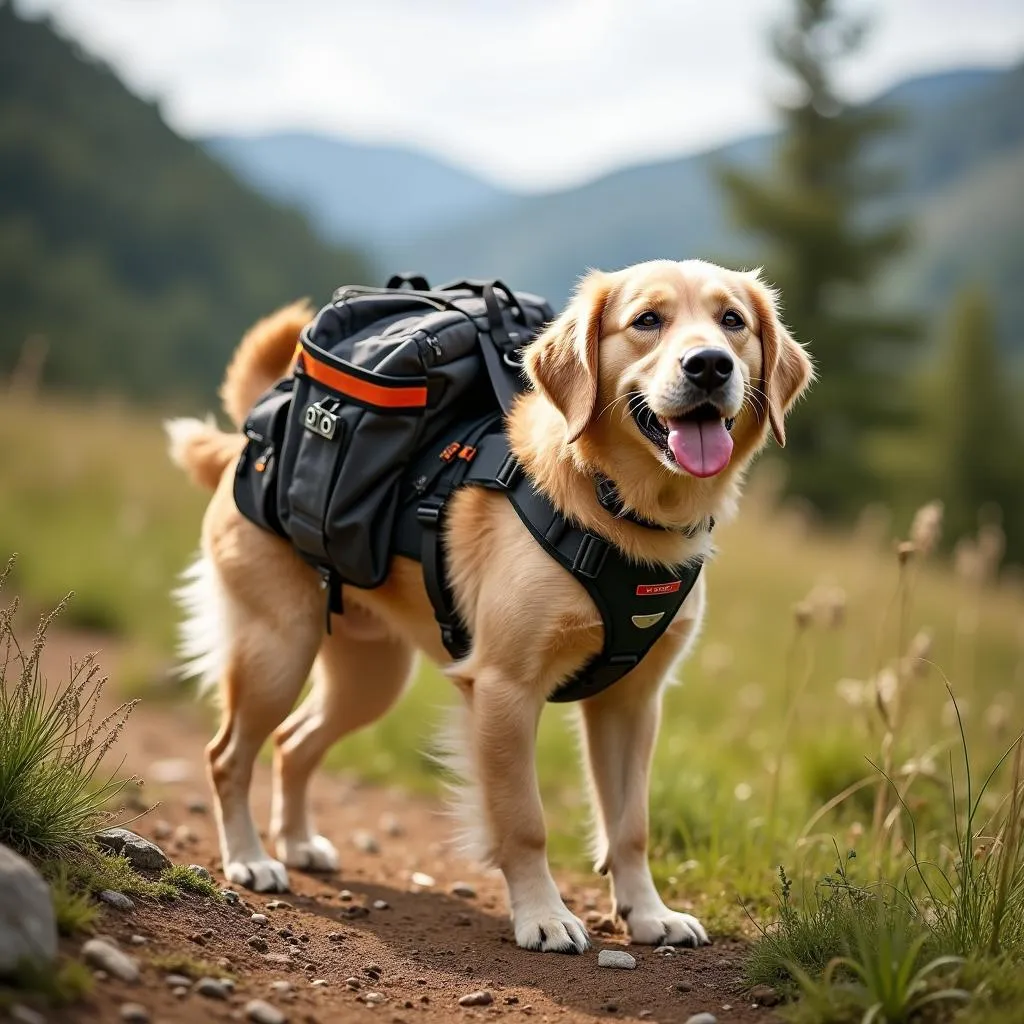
(136, 256)
(371, 194)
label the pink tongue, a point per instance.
(701, 447)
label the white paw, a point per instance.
(663, 927)
(317, 853)
(263, 875)
(550, 930)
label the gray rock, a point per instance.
(373, 998)
(135, 1013)
(667, 950)
(116, 899)
(138, 940)
(702, 1018)
(765, 995)
(319, 983)
(212, 988)
(483, 998)
(260, 1012)
(365, 842)
(140, 853)
(615, 958)
(260, 919)
(28, 928)
(102, 955)
(178, 981)
(381, 905)
(463, 889)
(278, 959)
(281, 986)
(198, 869)
(230, 896)
(25, 1015)
(260, 945)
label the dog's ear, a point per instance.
(786, 369)
(562, 362)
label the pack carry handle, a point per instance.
(486, 290)
(428, 298)
(417, 282)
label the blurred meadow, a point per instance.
(874, 573)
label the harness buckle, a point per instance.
(590, 556)
(429, 513)
(508, 472)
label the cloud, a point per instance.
(533, 93)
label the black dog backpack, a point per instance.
(397, 399)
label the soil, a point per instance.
(422, 953)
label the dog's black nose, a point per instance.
(708, 368)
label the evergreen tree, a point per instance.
(977, 426)
(824, 254)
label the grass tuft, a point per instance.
(67, 984)
(191, 967)
(183, 878)
(52, 793)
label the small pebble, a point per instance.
(345, 896)
(116, 899)
(260, 1012)
(683, 986)
(25, 1015)
(702, 1018)
(335, 936)
(391, 826)
(372, 969)
(422, 878)
(667, 950)
(765, 995)
(463, 889)
(372, 998)
(381, 905)
(482, 998)
(135, 1013)
(281, 986)
(319, 983)
(278, 959)
(138, 940)
(197, 805)
(102, 955)
(616, 958)
(198, 869)
(463, 920)
(178, 980)
(611, 1007)
(260, 945)
(260, 919)
(211, 988)
(183, 834)
(279, 905)
(162, 830)
(180, 991)
(365, 842)
(353, 983)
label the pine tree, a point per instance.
(977, 426)
(824, 255)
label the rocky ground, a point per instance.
(405, 931)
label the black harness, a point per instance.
(636, 602)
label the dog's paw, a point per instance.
(317, 853)
(664, 927)
(551, 930)
(262, 875)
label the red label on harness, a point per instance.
(654, 589)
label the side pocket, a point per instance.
(257, 470)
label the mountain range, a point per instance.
(959, 156)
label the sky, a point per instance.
(532, 94)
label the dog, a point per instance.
(665, 377)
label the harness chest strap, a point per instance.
(636, 602)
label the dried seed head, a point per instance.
(926, 528)
(802, 613)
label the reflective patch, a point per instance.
(646, 621)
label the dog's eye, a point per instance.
(647, 321)
(732, 321)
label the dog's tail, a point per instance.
(202, 450)
(263, 357)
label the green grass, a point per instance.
(184, 879)
(53, 788)
(66, 983)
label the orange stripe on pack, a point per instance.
(363, 390)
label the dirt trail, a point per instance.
(429, 946)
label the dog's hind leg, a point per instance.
(360, 672)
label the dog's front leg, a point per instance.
(503, 733)
(620, 729)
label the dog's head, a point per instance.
(687, 362)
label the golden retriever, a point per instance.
(666, 377)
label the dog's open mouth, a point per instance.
(698, 441)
